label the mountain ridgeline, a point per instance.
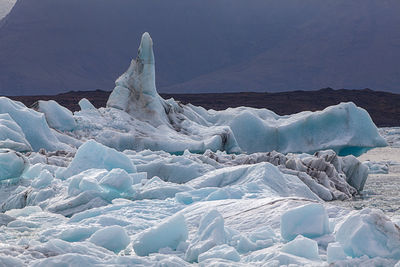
(53, 46)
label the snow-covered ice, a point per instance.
(151, 182)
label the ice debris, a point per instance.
(302, 247)
(94, 155)
(113, 238)
(85, 104)
(57, 116)
(12, 164)
(310, 221)
(11, 135)
(369, 232)
(148, 181)
(33, 125)
(169, 233)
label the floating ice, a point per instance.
(43, 180)
(220, 252)
(377, 167)
(168, 233)
(12, 164)
(344, 128)
(57, 116)
(335, 252)
(302, 247)
(369, 232)
(33, 125)
(262, 179)
(95, 155)
(113, 238)
(147, 181)
(11, 135)
(85, 104)
(117, 179)
(211, 233)
(310, 220)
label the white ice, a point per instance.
(151, 182)
(57, 116)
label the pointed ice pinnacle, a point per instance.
(135, 90)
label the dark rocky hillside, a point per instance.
(53, 46)
(383, 107)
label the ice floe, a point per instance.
(151, 182)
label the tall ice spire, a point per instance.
(136, 88)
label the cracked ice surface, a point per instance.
(151, 182)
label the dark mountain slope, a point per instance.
(49, 46)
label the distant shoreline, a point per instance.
(383, 107)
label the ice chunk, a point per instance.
(23, 212)
(310, 220)
(369, 232)
(155, 188)
(118, 179)
(86, 181)
(335, 252)
(95, 155)
(10, 261)
(356, 172)
(259, 239)
(119, 98)
(302, 247)
(168, 233)
(211, 233)
(11, 135)
(5, 219)
(12, 164)
(45, 178)
(57, 116)
(221, 252)
(85, 104)
(263, 178)
(113, 238)
(377, 167)
(84, 201)
(33, 124)
(77, 234)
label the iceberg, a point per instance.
(147, 181)
(344, 128)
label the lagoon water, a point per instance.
(381, 190)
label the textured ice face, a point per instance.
(33, 124)
(11, 135)
(369, 232)
(345, 128)
(57, 116)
